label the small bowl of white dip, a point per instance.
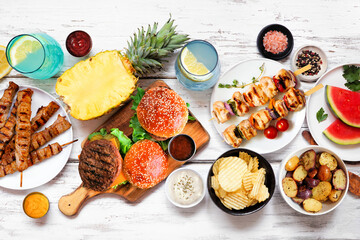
(185, 188)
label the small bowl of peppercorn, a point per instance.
(313, 55)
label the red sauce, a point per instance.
(78, 43)
(181, 147)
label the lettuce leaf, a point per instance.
(118, 185)
(137, 98)
(138, 132)
(125, 142)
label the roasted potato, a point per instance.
(298, 200)
(292, 163)
(339, 180)
(312, 173)
(324, 173)
(328, 160)
(321, 191)
(289, 186)
(335, 195)
(308, 159)
(312, 205)
(304, 193)
(311, 182)
(300, 173)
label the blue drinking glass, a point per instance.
(204, 53)
(35, 55)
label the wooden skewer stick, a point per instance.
(303, 69)
(65, 144)
(314, 89)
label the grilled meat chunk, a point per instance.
(294, 99)
(255, 96)
(220, 112)
(44, 153)
(284, 80)
(280, 108)
(261, 119)
(231, 138)
(238, 104)
(268, 86)
(43, 115)
(246, 130)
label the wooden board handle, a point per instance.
(71, 203)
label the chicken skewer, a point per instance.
(42, 116)
(6, 101)
(23, 130)
(36, 156)
(294, 100)
(256, 95)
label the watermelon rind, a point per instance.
(343, 129)
(336, 111)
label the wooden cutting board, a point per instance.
(70, 204)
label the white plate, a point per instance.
(244, 72)
(316, 101)
(42, 172)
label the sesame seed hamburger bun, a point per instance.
(162, 113)
(100, 163)
(145, 164)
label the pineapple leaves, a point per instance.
(147, 48)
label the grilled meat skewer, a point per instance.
(36, 156)
(6, 101)
(8, 130)
(23, 130)
(42, 116)
(40, 138)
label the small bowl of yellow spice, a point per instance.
(36, 205)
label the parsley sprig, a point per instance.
(352, 75)
(235, 83)
(321, 115)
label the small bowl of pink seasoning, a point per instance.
(275, 42)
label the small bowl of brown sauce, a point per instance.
(36, 205)
(182, 147)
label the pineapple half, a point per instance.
(94, 87)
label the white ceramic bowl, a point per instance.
(323, 65)
(326, 206)
(168, 194)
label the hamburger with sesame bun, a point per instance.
(162, 113)
(145, 164)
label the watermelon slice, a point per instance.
(343, 134)
(345, 104)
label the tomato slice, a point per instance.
(271, 132)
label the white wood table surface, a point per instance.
(232, 27)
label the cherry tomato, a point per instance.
(282, 125)
(271, 132)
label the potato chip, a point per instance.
(216, 165)
(263, 193)
(222, 192)
(214, 183)
(259, 180)
(252, 202)
(253, 165)
(244, 156)
(248, 181)
(225, 204)
(236, 200)
(231, 172)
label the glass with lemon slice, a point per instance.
(197, 66)
(35, 55)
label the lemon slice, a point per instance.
(22, 47)
(191, 64)
(5, 68)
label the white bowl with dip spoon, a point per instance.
(185, 188)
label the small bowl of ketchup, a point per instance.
(79, 43)
(182, 147)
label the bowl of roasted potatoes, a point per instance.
(313, 180)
